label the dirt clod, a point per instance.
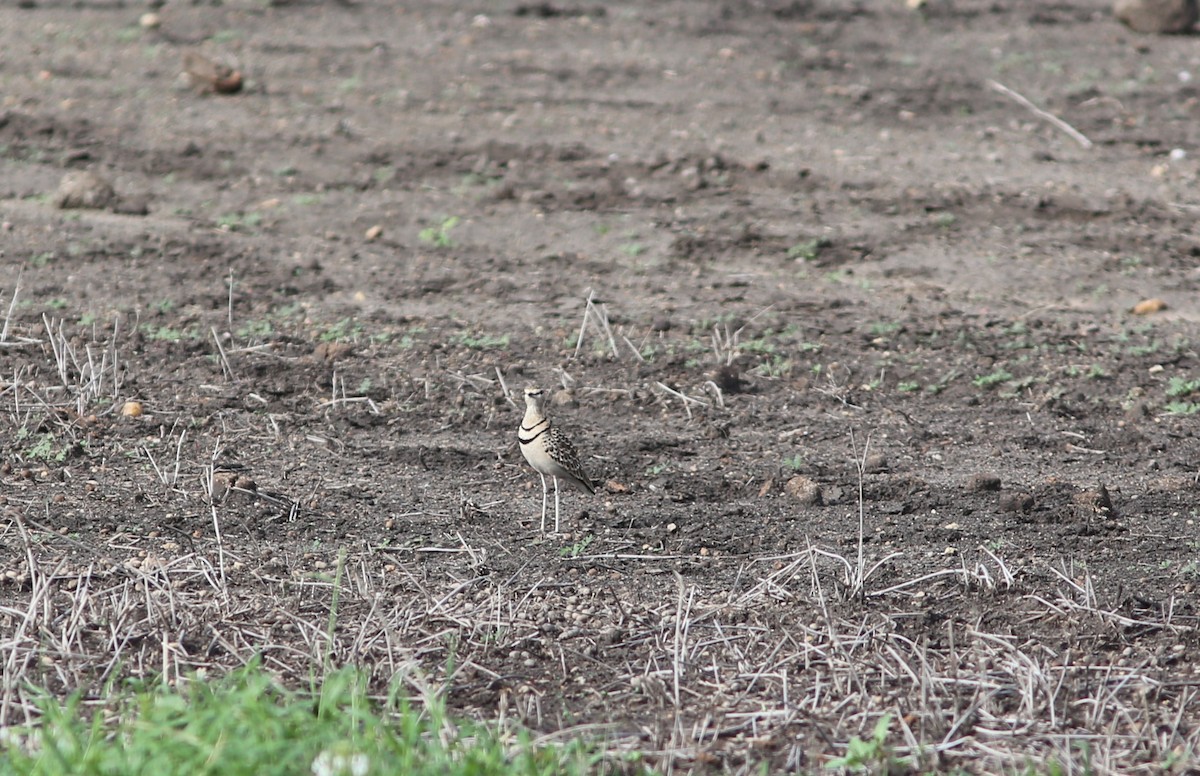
(1016, 502)
(804, 490)
(983, 481)
(1157, 16)
(85, 189)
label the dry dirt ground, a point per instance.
(929, 463)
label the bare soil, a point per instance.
(930, 463)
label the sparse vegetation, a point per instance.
(872, 755)
(248, 428)
(992, 378)
(439, 236)
(481, 341)
(238, 222)
(345, 330)
(247, 723)
(809, 250)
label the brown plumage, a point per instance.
(549, 451)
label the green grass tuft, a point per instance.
(248, 724)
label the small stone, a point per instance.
(1149, 306)
(804, 490)
(374, 233)
(132, 409)
(150, 21)
(1156, 16)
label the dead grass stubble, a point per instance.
(781, 657)
(788, 662)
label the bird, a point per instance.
(549, 451)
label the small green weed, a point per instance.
(481, 341)
(408, 340)
(992, 379)
(255, 330)
(167, 334)
(345, 330)
(239, 222)
(808, 250)
(578, 548)
(795, 462)
(44, 448)
(1144, 350)
(1178, 387)
(439, 236)
(870, 756)
(778, 366)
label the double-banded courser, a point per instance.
(549, 451)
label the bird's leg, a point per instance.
(556, 505)
(545, 494)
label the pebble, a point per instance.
(1149, 306)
